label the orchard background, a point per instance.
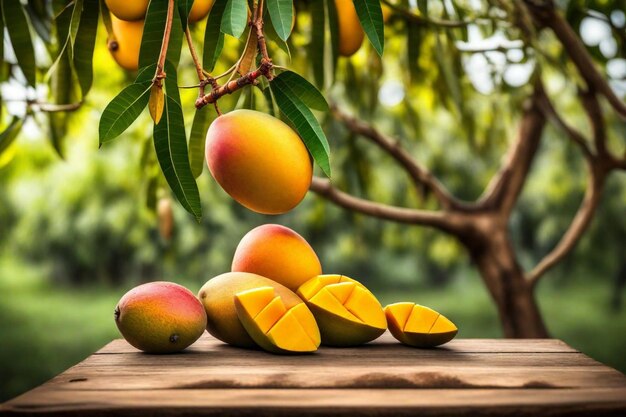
(476, 167)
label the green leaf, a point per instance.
(272, 36)
(123, 110)
(75, 22)
(304, 122)
(19, 34)
(235, 18)
(318, 41)
(146, 74)
(40, 18)
(10, 133)
(170, 144)
(197, 140)
(303, 89)
(184, 8)
(281, 13)
(63, 90)
(84, 45)
(152, 37)
(371, 17)
(213, 36)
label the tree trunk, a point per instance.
(492, 252)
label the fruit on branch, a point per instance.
(419, 326)
(351, 33)
(259, 160)
(387, 12)
(126, 42)
(128, 9)
(165, 214)
(278, 253)
(275, 327)
(200, 10)
(218, 298)
(347, 313)
(160, 317)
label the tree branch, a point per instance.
(579, 225)
(550, 112)
(440, 220)
(419, 174)
(594, 114)
(160, 73)
(426, 21)
(506, 186)
(582, 60)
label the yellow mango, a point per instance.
(200, 10)
(160, 317)
(217, 296)
(351, 33)
(419, 326)
(259, 161)
(126, 43)
(128, 9)
(347, 313)
(278, 253)
(276, 328)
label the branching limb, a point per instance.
(577, 228)
(582, 60)
(420, 175)
(440, 220)
(550, 112)
(506, 186)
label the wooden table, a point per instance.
(467, 377)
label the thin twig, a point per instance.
(420, 175)
(439, 220)
(160, 73)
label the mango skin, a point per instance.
(160, 317)
(278, 253)
(128, 9)
(351, 33)
(125, 47)
(419, 340)
(338, 331)
(259, 160)
(199, 10)
(218, 298)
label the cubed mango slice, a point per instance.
(275, 327)
(419, 326)
(347, 313)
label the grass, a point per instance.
(47, 329)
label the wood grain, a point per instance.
(466, 378)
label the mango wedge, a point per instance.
(419, 326)
(347, 313)
(273, 326)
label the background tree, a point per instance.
(537, 32)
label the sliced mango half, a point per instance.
(347, 313)
(273, 326)
(419, 326)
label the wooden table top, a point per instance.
(467, 377)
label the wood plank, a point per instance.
(466, 377)
(387, 341)
(344, 402)
(229, 356)
(194, 376)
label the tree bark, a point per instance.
(491, 250)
